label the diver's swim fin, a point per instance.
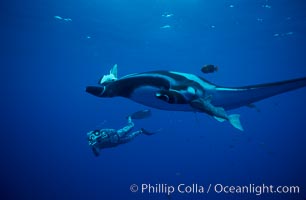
(141, 114)
(144, 131)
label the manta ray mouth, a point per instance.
(94, 90)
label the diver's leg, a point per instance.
(126, 129)
(130, 136)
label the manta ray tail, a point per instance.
(235, 121)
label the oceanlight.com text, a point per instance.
(195, 188)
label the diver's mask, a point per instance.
(96, 137)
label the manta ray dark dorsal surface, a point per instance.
(177, 91)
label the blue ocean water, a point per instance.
(51, 50)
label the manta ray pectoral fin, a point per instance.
(235, 97)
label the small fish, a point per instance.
(67, 19)
(61, 18)
(165, 27)
(209, 69)
(58, 17)
(266, 6)
(167, 15)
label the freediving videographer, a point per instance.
(107, 138)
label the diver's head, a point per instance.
(96, 139)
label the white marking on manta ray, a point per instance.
(191, 90)
(230, 89)
(129, 75)
(154, 75)
(112, 76)
(146, 95)
(195, 78)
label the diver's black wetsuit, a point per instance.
(106, 138)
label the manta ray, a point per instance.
(178, 91)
